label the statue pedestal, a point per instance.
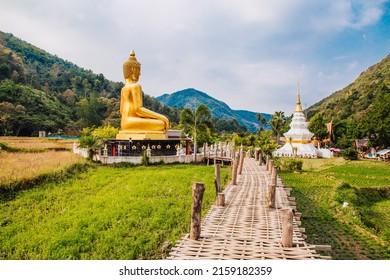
(142, 135)
(135, 148)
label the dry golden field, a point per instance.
(25, 166)
(20, 166)
(36, 143)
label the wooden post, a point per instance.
(235, 169)
(267, 162)
(197, 197)
(274, 175)
(220, 199)
(270, 165)
(218, 177)
(242, 155)
(286, 216)
(271, 190)
(260, 159)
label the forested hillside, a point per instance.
(192, 98)
(360, 110)
(40, 91)
(355, 99)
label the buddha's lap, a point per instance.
(132, 123)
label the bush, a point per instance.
(291, 164)
(350, 154)
(145, 159)
(106, 131)
(91, 143)
(346, 193)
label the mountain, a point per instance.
(40, 91)
(354, 100)
(361, 109)
(192, 98)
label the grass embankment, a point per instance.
(360, 230)
(104, 213)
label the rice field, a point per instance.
(31, 143)
(104, 212)
(112, 212)
(16, 167)
(361, 228)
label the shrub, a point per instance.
(350, 154)
(291, 164)
(91, 143)
(106, 131)
(145, 159)
(346, 193)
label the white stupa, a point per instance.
(298, 138)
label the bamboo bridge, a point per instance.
(246, 228)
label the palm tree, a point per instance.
(195, 121)
(277, 123)
(91, 143)
(262, 121)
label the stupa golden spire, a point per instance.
(298, 107)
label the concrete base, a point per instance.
(152, 159)
(302, 150)
(135, 148)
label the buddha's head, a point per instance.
(131, 67)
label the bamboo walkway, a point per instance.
(245, 229)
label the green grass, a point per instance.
(358, 231)
(362, 173)
(104, 213)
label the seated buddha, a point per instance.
(138, 122)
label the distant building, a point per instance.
(298, 140)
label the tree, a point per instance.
(68, 97)
(345, 132)
(92, 138)
(262, 121)
(11, 118)
(375, 124)
(90, 111)
(266, 142)
(350, 154)
(317, 125)
(251, 140)
(278, 122)
(106, 131)
(91, 143)
(222, 125)
(195, 121)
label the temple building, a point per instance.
(298, 140)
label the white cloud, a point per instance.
(338, 15)
(248, 54)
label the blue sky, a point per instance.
(249, 54)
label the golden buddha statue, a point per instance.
(137, 122)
